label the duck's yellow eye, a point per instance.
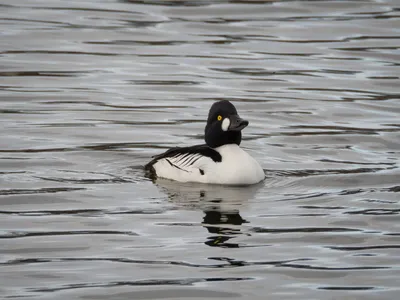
(219, 118)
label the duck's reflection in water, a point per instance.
(221, 205)
(218, 224)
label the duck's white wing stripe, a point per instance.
(185, 161)
(188, 160)
(185, 164)
(193, 159)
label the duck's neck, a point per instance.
(216, 137)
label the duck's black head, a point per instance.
(224, 125)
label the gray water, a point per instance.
(90, 90)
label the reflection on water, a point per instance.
(220, 204)
(217, 223)
(90, 90)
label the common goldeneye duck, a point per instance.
(219, 161)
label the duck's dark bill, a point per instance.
(237, 123)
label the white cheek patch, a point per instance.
(225, 124)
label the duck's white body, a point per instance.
(236, 167)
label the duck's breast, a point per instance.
(237, 167)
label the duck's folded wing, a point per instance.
(185, 159)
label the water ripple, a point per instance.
(91, 90)
(145, 282)
(38, 191)
(25, 234)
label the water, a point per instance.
(90, 90)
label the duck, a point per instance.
(220, 160)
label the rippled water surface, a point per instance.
(90, 90)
